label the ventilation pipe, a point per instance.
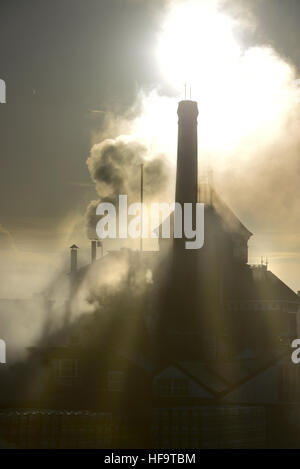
(74, 250)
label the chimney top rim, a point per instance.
(188, 108)
(188, 101)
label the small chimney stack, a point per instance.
(93, 250)
(74, 250)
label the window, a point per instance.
(115, 380)
(289, 380)
(172, 387)
(240, 251)
(74, 340)
(164, 387)
(180, 387)
(292, 325)
(67, 368)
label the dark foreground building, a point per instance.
(195, 354)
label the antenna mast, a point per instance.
(142, 200)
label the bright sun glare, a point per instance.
(196, 43)
(244, 95)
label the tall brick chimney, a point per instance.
(183, 308)
(187, 153)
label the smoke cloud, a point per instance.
(115, 168)
(248, 132)
(248, 119)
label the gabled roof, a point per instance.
(225, 216)
(275, 289)
(229, 220)
(201, 373)
(204, 375)
(222, 378)
(241, 369)
(260, 385)
(256, 283)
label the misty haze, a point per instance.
(159, 341)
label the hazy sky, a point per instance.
(62, 59)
